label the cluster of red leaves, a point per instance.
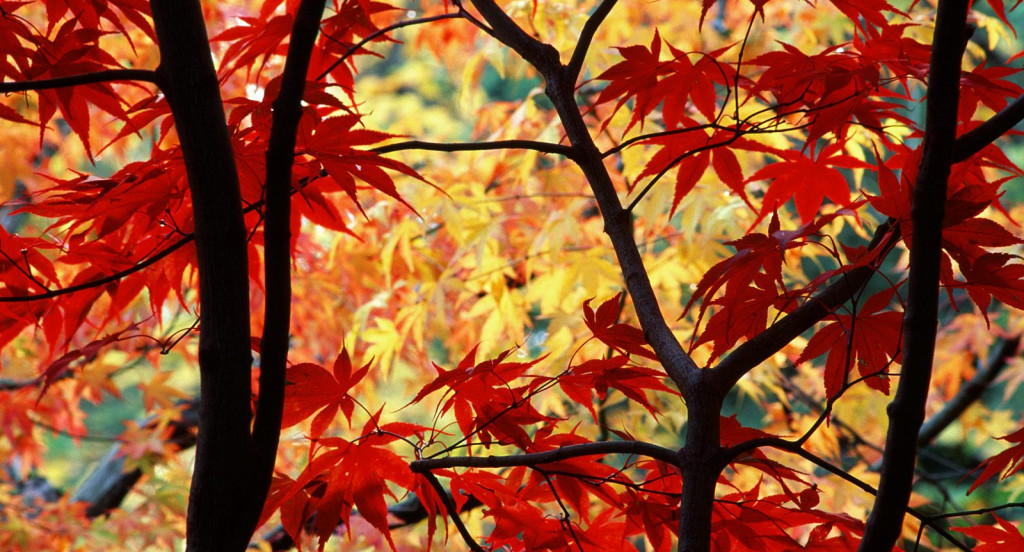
(311, 388)
(68, 47)
(491, 401)
(750, 520)
(530, 507)
(342, 475)
(109, 229)
(623, 338)
(251, 44)
(615, 372)
(647, 80)
(1000, 538)
(1007, 462)
(751, 285)
(869, 339)
(968, 238)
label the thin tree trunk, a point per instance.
(277, 243)
(906, 412)
(220, 508)
(700, 466)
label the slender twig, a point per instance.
(542, 147)
(107, 76)
(789, 446)
(690, 153)
(453, 511)
(173, 341)
(652, 135)
(739, 67)
(969, 392)
(26, 271)
(536, 458)
(978, 511)
(381, 32)
(147, 262)
(566, 519)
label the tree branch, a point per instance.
(381, 32)
(110, 75)
(969, 392)
(762, 346)
(280, 156)
(224, 466)
(906, 411)
(559, 88)
(562, 453)
(542, 147)
(794, 448)
(579, 53)
(984, 134)
(542, 56)
(149, 261)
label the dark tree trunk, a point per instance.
(222, 508)
(700, 465)
(906, 412)
(234, 464)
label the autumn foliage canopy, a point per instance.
(587, 275)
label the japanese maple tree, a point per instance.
(546, 275)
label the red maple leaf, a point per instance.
(1008, 460)
(311, 388)
(1004, 537)
(643, 78)
(635, 77)
(993, 275)
(621, 337)
(332, 143)
(345, 475)
(484, 398)
(868, 341)
(807, 181)
(599, 375)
